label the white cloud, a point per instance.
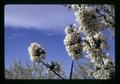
(16, 35)
(45, 17)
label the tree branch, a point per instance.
(71, 69)
(51, 69)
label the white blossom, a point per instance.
(105, 60)
(106, 72)
(99, 36)
(72, 42)
(92, 60)
(74, 7)
(86, 47)
(69, 29)
(36, 52)
(91, 23)
(97, 41)
(87, 19)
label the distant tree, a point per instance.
(18, 71)
(82, 70)
(33, 71)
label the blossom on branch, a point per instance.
(72, 42)
(97, 41)
(107, 71)
(36, 52)
(54, 66)
(88, 20)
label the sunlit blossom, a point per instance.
(72, 42)
(36, 52)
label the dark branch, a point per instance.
(71, 69)
(51, 69)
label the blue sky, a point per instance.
(44, 24)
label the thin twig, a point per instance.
(71, 69)
(52, 70)
(87, 43)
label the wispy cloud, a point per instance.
(16, 35)
(45, 17)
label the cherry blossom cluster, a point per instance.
(36, 52)
(92, 19)
(72, 42)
